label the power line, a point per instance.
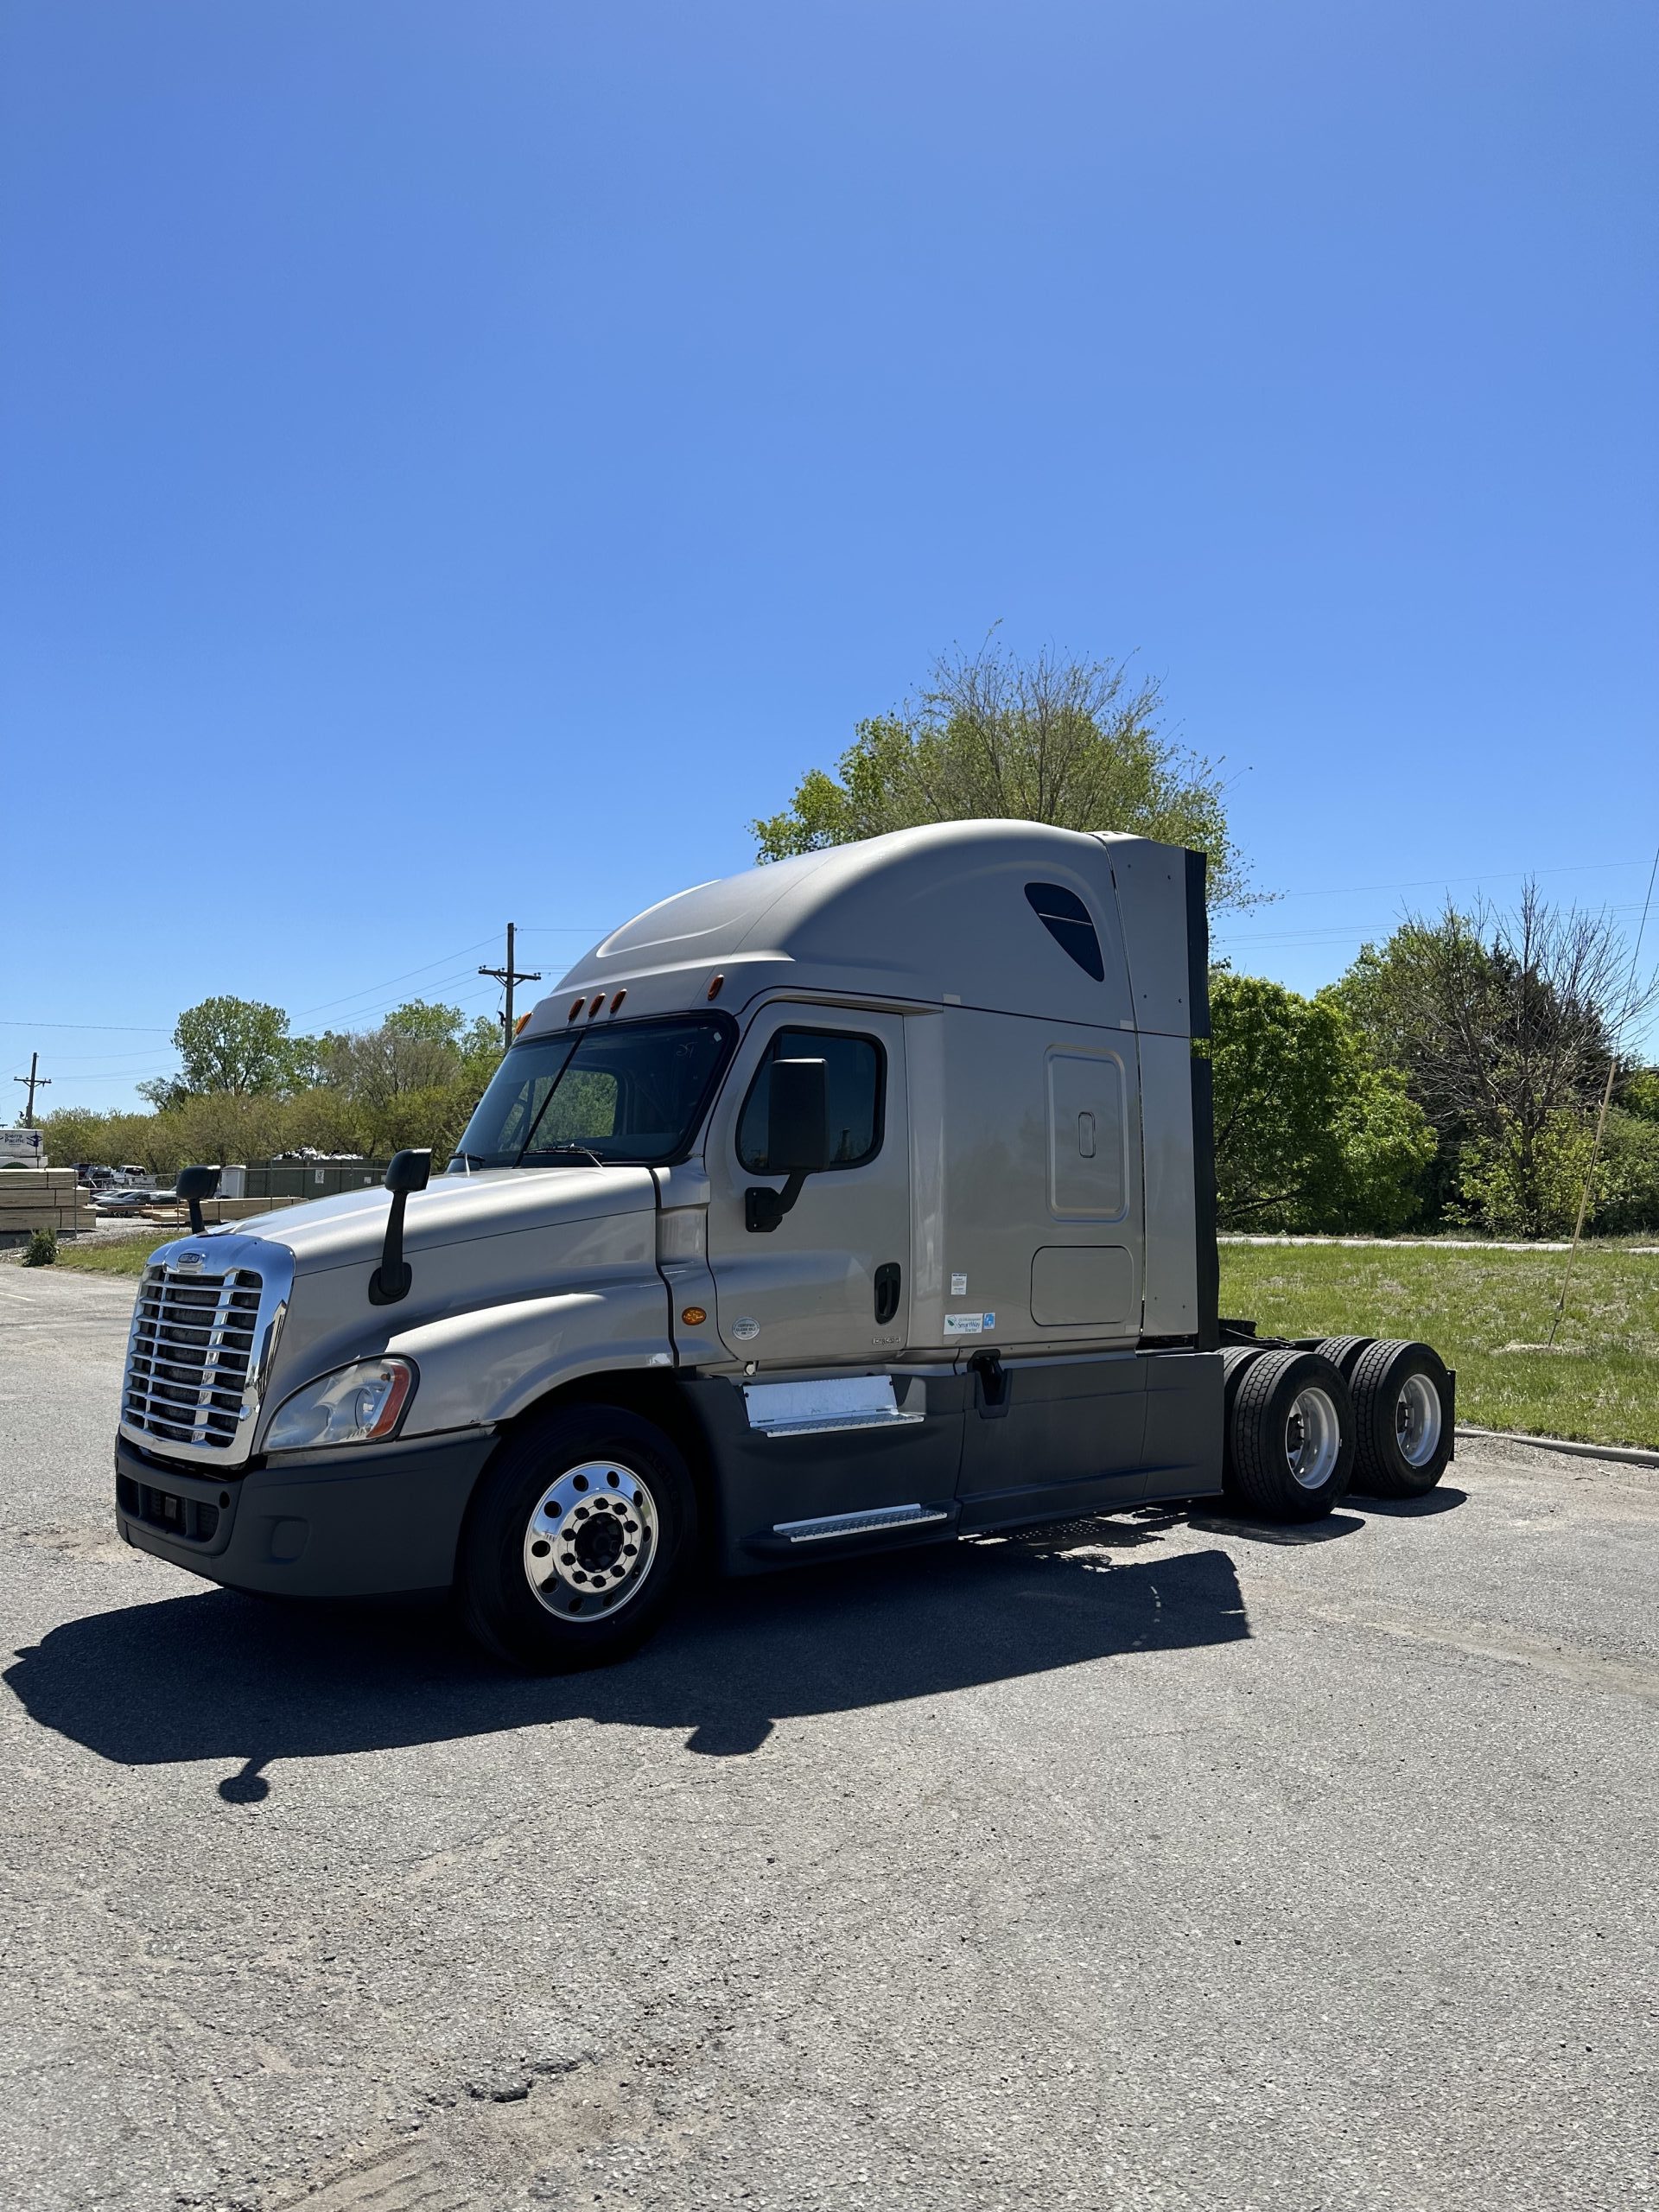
(127, 1028)
(367, 989)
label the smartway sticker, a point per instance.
(968, 1324)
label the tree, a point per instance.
(1073, 743)
(415, 1077)
(1310, 1134)
(239, 1047)
(1504, 1028)
(1638, 1092)
(419, 1046)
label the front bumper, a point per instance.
(374, 1520)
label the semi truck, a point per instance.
(864, 1200)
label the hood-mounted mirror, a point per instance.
(390, 1280)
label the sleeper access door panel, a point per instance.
(1084, 1276)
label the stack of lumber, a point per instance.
(40, 1198)
(172, 1211)
(243, 1209)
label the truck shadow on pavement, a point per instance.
(213, 1675)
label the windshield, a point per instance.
(634, 1093)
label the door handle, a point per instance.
(887, 1280)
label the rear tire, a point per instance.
(1343, 1352)
(1404, 1416)
(1236, 1360)
(1291, 1438)
(578, 1540)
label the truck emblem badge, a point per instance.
(187, 1262)
(745, 1328)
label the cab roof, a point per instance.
(949, 914)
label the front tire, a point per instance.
(577, 1541)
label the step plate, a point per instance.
(876, 1522)
(814, 1408)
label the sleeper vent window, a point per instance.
(1066, 918)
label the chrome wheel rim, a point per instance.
(592, 1540)
(1313, 1438)
(1417, 1420)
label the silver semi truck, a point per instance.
(860, 1201)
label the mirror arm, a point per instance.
(763, 1209)
(391, 1279)
(193, 1185)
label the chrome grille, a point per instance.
(191, 1358)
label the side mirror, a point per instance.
(390, 1281)
(193, 1185)
(798, 1138)
(409, 1171)
(797, 1118)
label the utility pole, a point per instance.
(38, 1082)
(509, 976)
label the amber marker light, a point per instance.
(576, 1005)
(518, 1025)
(714, 983)
(618, 1000)
(599, 1000)
(693, 1316)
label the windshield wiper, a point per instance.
(542, 1150)
(467, 1158)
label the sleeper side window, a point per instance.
(1067, 920)
(854, 1071)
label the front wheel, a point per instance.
(577, 1540)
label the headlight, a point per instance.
(354, 1405)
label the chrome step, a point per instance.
(877, 1518)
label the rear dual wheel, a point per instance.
(1402, 1401)
(1290, 1434)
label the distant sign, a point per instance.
(21, 1149)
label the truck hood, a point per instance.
(348, 1230)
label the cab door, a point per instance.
(830, 1284)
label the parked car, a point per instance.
(131, 1201)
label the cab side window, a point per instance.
(855, 1070)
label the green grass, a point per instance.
(1600, 1385)
(126, 1258)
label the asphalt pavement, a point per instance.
(1156, 1861)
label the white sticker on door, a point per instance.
(958, 1286)
(968, 1324)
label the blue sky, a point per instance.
(460, 463)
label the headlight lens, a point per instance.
(354, 1405)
